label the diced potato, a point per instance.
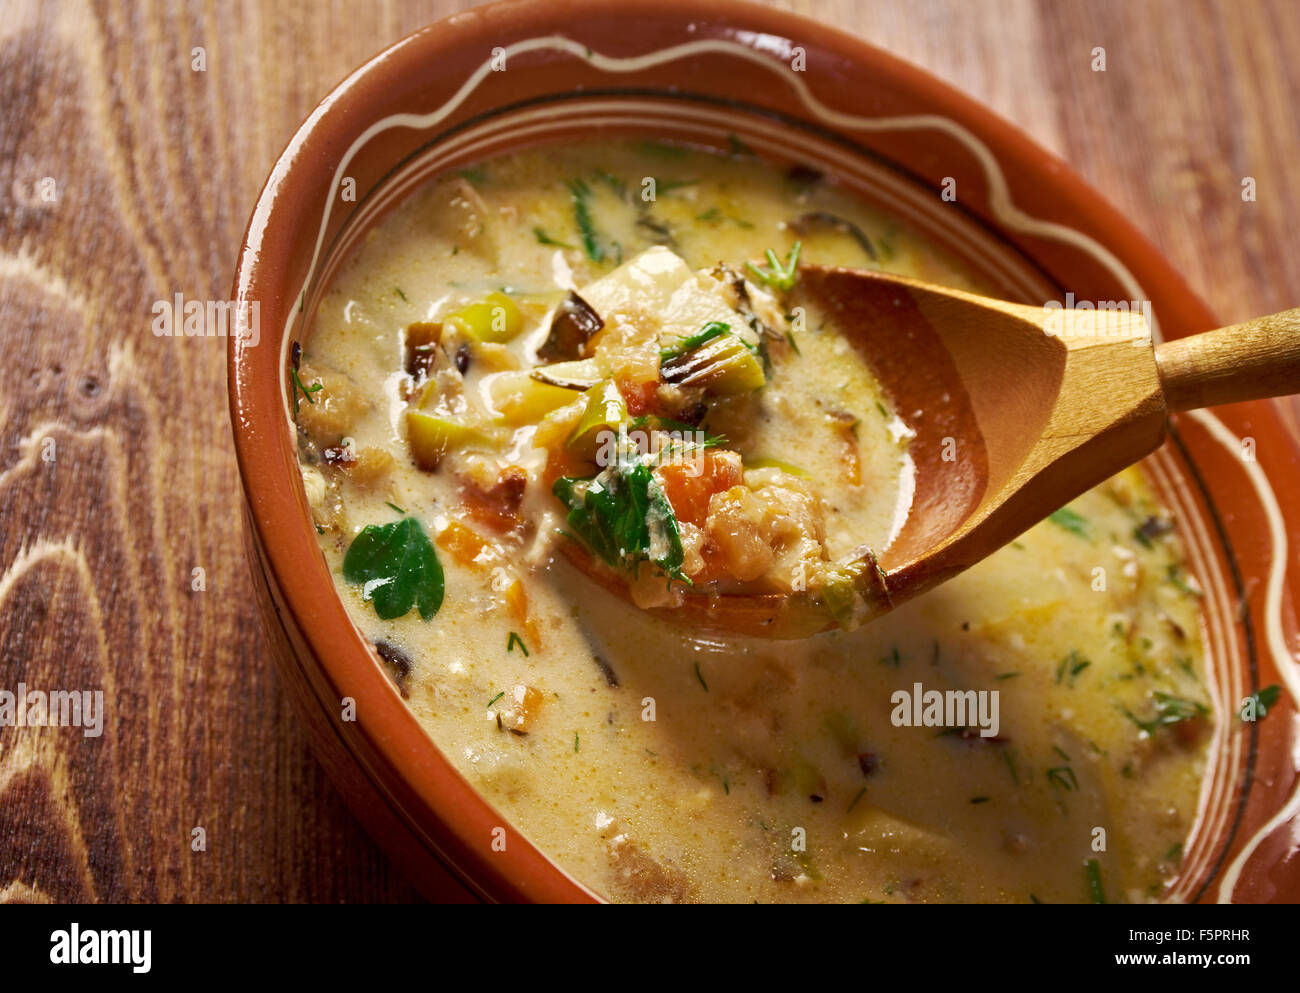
(659, 290)
(371, 465)
(773, 533)
(314, 484)
(738, 529)
(520, 399)
(329, 413)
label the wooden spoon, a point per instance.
(1017, 410)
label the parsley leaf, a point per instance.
(579, 191)
(1072, 522)
(1169, 710)
(778, 275)
(397, 568)
(690, 342)
(624, 517)
(1265, 700)
(1092, 873)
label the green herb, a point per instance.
(579, 191)
(1034, 899)
(616, 185)
(789, 336)
(513, 640)
(1006, 675)
(399, 292)
(1264, 701)
(881, 407)
(779, 275)
(1018, 546)
(739, 148)
(690, 342)
(575, 741)
(861, 793)
(979, 799)
(300, 391)
(1092, 872)
(700, 676)
(395, 507)
(1142, 537)
(716, 214)
(1175, 853)
(1071, 665)
(662, 149)
(475, 174)
(658, 422)
(806, 863)
(1062, 777)
(397, 568)
(893, 659)
(496, 698)
(624, 517)
(1011, 766)
(545, 239)
(1174, 576)
(1169, 710)
(674, 184)
(1072, 522)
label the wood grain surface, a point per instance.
(117, 477)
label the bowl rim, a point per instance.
(389, 742)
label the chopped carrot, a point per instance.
(521, 706)
(517, 602)
(690, 493)
(464, 544)
(639, 396)
(850, 458)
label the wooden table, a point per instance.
(154, 169)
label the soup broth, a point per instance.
(1033, 730)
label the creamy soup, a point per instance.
(566, 385)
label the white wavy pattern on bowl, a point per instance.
(773, 54)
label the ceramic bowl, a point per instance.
(518, 74)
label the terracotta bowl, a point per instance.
(791, 89)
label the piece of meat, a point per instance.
(496, 507)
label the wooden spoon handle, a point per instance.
(1247, 361)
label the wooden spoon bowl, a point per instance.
(1016, 411)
